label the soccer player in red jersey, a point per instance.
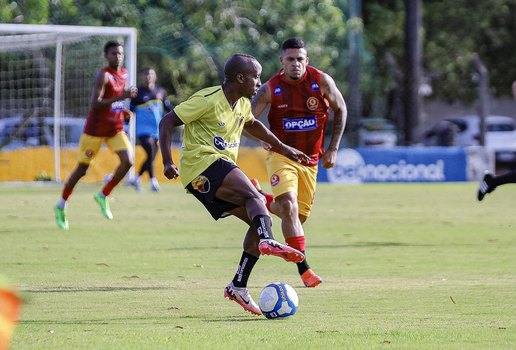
(300, 97)
(105, 124)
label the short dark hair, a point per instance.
(110, 44)
(293, 43)
(237, 63)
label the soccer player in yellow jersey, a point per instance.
(213, 120)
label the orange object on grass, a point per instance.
(9, 314)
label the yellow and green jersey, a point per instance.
(212, 130)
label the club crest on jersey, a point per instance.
(201, 184)
(312, 103)
(275, 179)
(300, 124)
(89, 153)
(277, 90)
(315, 86)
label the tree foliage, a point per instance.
(452, 31)
(187, 41)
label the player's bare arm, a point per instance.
(166, 126)
(259, 131)
(261, 100)
(98, 100)
(338, 105)
(258, 104)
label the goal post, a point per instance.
(47, 71)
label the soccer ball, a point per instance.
(278, 300)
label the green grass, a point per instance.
(421, 266)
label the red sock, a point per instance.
(297, 242)
(106, 190)
(67, 192)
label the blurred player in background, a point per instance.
(490, 181)
(148, 107)
(10, 310)
(299, 97)
(213, 120)
(105, 124)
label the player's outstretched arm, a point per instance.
(166, 126)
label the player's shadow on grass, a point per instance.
(106, 321)
(371, 244)
(343, 245)
(92, 289)
(249, 318)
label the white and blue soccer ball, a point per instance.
(278, 300)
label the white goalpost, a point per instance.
(46, 79)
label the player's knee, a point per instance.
(126, 163)
(287, 208)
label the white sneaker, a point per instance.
(242, 297)
(154, 185)
(135, 183)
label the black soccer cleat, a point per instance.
(486, 186)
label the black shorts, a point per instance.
(204, 187)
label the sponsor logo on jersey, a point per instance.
(283, 106)
(300, 124)
(277, 90)
(201, 184)
(312, 103)
(315, 86)
(275, 179)
(221, 144)
(118, 106)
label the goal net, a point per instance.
(46, 80)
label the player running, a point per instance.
(300, 97)
(213, 121)
(105, 124)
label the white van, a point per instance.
(500, 134)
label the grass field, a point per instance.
(422, 266)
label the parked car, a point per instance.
(32, 134)
(500, 135)
(377, 132)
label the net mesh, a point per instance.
(27, 86)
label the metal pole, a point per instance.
(413, 53)
(131, 55)
(57, 111)
(355, 96)
(483, 95)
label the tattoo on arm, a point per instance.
(259, 101)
